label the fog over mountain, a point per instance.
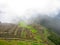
(51, 22)
(44, 12)
(13, 9)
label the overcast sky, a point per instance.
(13, 8)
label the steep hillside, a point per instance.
(22, 34)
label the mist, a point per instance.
(44, 12)
(15, 9)
(50, 22)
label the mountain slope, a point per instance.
(23, 34)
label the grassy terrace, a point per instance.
(21, 24)
(14, 42)
(36, 35)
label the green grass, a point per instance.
(3, 42)
(22, 24)
(33, 30)
(14, 42)
(37, 36)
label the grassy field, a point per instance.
(17, 42)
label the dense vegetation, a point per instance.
(33, 34)
(54, 38)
